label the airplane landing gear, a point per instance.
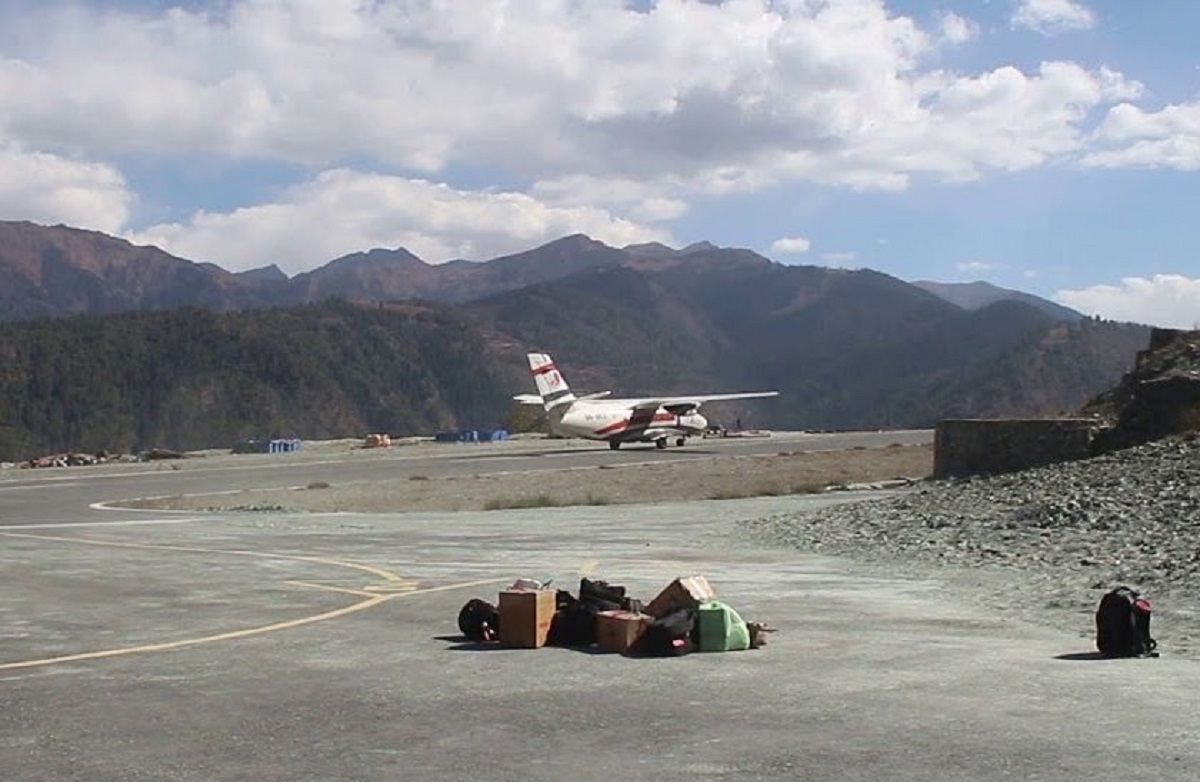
(660, 442)
(680, 441)
(614, 444)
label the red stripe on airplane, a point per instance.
(617, 426)
(545, 368)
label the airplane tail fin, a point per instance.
(551, 386)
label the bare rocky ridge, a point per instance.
(1159, 397)
(1043, 543)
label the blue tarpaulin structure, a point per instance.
(471, 436)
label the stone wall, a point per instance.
(990, 446)
(1159, 398)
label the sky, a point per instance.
(1049, 146)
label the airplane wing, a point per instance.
(641, 415)
(683, 404)
(698, 400)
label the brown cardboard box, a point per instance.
(686, 592)
(616, 631)
(525, 617)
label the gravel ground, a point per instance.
(1046, 543)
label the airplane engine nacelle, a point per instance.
(693, 422)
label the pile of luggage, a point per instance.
(684, 617)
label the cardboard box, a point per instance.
(686, 592)
(616, 631)
(525, 617)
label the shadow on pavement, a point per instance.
(1080, 656)
(459, 643)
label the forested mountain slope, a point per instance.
(195, 379)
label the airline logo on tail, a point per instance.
(616, 421)
(549, 381)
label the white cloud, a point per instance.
(956, 29)
(974, 267)
(1130, 136)
(1050, 17)
(50, 189)
(1007, 120)
(648, 201)
(342, 211)
(1169, 300)
(685, 98)
(791, 244)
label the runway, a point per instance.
(66, 495)
(149, 645)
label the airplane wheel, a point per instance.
(679, 442)
(660, 442)
(614, 444)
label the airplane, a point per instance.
(616, 421)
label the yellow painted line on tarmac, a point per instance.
(393, 586)
(450, 587)
(207, 639)
(363, 605)
(385, 575)
(331, 588)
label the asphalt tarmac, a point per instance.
(269, 646)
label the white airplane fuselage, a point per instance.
(607, 421)
(599, 417)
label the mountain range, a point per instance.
(52, 271)
(846, 348)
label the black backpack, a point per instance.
(671, 635)
(479, 621)
(603, 596)
(1123, 625)
(574, 622)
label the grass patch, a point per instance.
(516, 503)
(767, 490)
(543, 500)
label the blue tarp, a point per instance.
(471, 436)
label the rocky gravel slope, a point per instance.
(1044, 543)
